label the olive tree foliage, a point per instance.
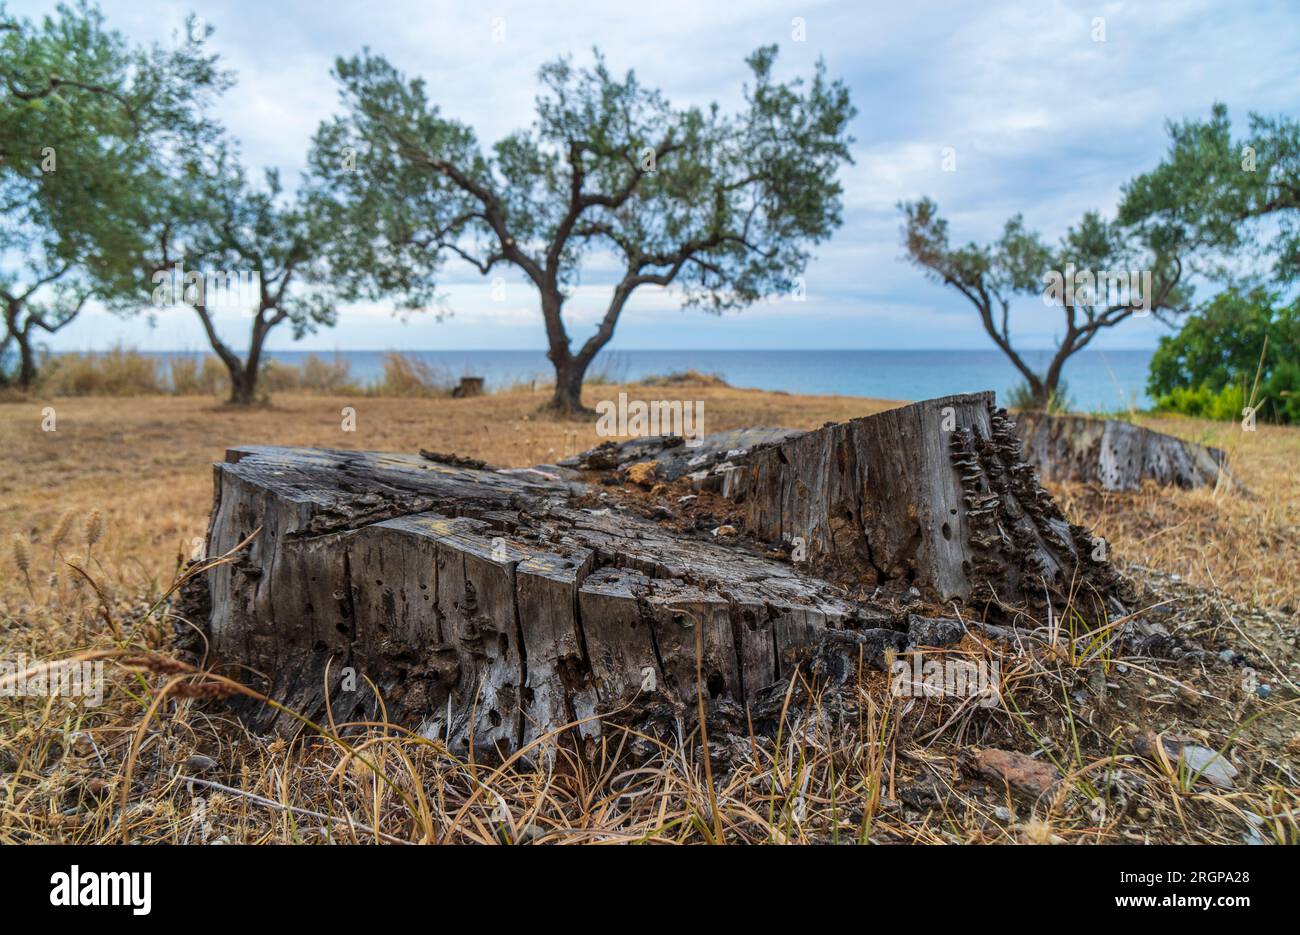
(1019, 264)
(233, 250)
(82, 113)
(725, 207)
(1231, 197)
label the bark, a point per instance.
(485, 608)
(26, 357)
(243, 372)
(567, 399)
(1116, 455)
(489, 608)
(18, 328)
(933, 496)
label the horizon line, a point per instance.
(657, 350)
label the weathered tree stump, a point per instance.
(490, 607)
(934, 495)
(1117, 455)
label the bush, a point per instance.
(405, 375)
(1281, 393)
(1021, 396)
(1204, 402)
(313, 375)
(116, 372)
(1209, 368)
(330, 377)
(686, 378)
(193, 376)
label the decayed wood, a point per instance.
(1117, 455)
(934, 495)
(490, 607)
(485, 607)
(675, 458)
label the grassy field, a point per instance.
(99, 514)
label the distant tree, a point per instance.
(1231, 342)
(725, 206)
(1019, 264)
(1225, 339)
(1218, 191)
(252, 250)
(80, 112)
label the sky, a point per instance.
(1049, 108)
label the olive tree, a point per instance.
(82, 112)
(223, 246)
(724, 206)
(1098, 276)
(1229, 196)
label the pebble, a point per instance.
(1264, 690)
(198, 763)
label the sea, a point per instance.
(1096, 380)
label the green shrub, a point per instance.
(1208, 368)
(1203, 402)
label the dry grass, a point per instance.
(116, 372)
(100, 515)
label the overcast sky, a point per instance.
(1044, 120)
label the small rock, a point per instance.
(198, 763)
(1264, 690)
(1002, 813)
(1189, 697)
(1021, 772)
(1196, 760)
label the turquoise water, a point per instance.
(1097, 380)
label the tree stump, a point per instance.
(467, 387)
(1117, 455)
(934, 495)
(490, 608)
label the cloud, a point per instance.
(1044, 118)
